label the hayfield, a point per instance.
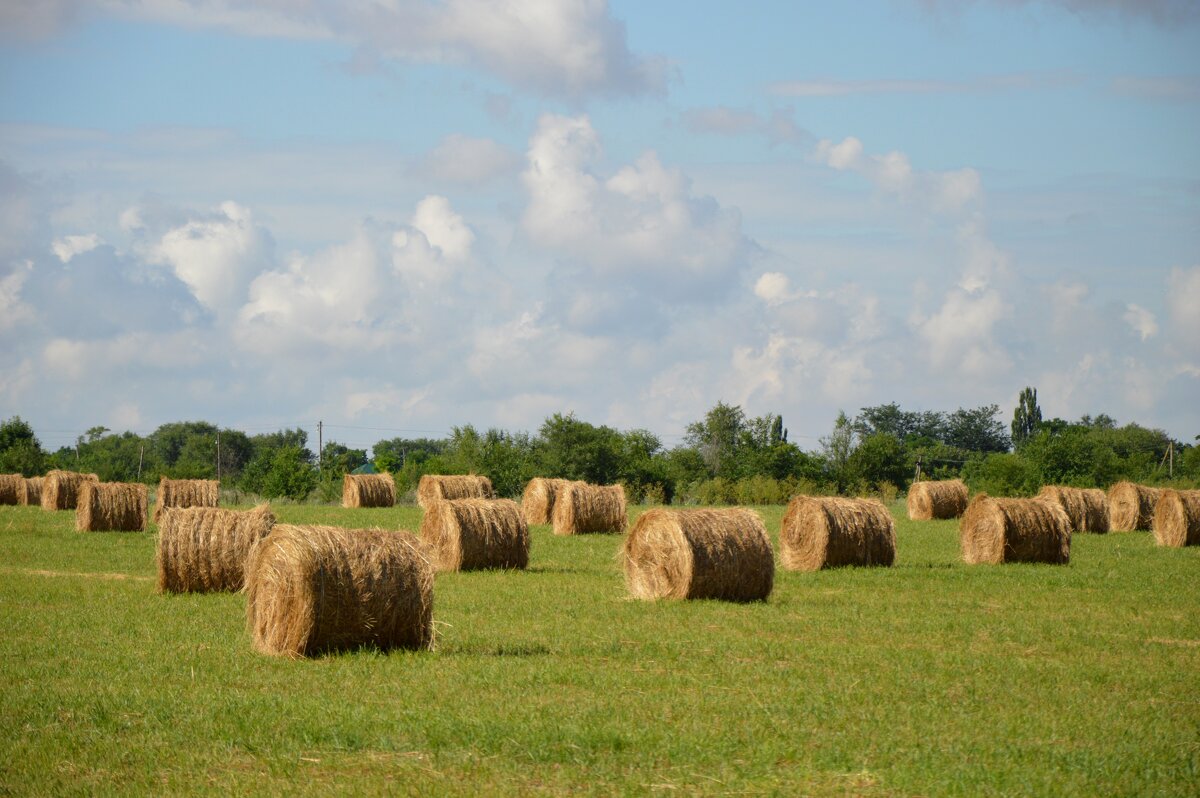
(930, 677)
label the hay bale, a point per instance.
(580, 508)
(1086, 507)
(368, 490)
(33, 492)
(696, 554)
(828, 531)
(472, 534)
(314, 589)
(185, 493)
(537, 502)
(936, 499)
(60, 489)
(1177, 518)
(1015, 530)
(111, 507)
(439, 487)
(1131, 506)
(12, 488)
(204, 549)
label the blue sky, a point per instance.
(411, 215)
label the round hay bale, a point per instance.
(938, 499)
(828, 531)
(111, 507)
(698, 554)
(204, 549)
(580, 508)
(317, 589)
(439, 487)
(368, 490)
(473, 534)
(12, 488)
(1086, 507)
(1015, 530)
(1177, 518)
(60, 489)
(185, 493)
(1131, 506)
(33, 492)
(537, 502)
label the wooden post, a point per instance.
(218, 456)
(141, 454)
(320, 447)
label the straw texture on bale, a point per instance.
(111, 507)
(699, 554)
(434, 488)
(368, 490)
(33, 491)
(580, 508)
(1131, 506)
(1177, 518)
(538, 500)
(1015, 530)
(317, 589)
(204, 549)
(1086, 507)
(937, 499)
(185, 493)
(12, 488)
(60, 489)
(472, 534)
(828, 531)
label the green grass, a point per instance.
(928, 678)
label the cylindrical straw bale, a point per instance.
(697, 554)
(1015, 530)
(1086, 507)
(439, 487)
(538, 500)
(60, 489)
(12, 488)
(581, 508)
(33, 492)
(368, 490)
(1131, 506)
(1177, 518)
(472, 534)
(316, 589)
(828, 531)
(937, 499)
(204, 549)
(111, 507)
(185, 493)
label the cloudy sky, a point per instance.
(404, 215)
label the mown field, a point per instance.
(929, 678)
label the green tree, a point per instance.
(20, 450)
(836, 449)
(977, 430)
(1027, 417)
(879, 458)
(717, 437)
(574, 449)
(289, 474)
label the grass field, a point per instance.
(929, 678)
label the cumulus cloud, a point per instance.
(1141, 321)
(68, 247)
(443, 228)
(893, 173)
(467, 161)
(13, 310)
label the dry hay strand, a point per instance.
(1131, 506)
(1177, 518)
(368, 490)
(1015, 530)
(60, 489)
(317, 589)
(12, 488)
(33, 492)
(828, 532)
(111, 507)
(698, 554)
(204, 549)
(938, 499)
(580, 508)
(439, 487)
(537, 502)
(185, 493)
(1086, 507)
(472, 534)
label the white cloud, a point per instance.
(960, 336)
(892, 172)
(1183, 307)
(443, 228)
(1141, 321)
(468, 161)
(68, 247)
(13, 310)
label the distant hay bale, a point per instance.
(1086, 507)
(60, 489)
(828, 531)
(316, 589)
(111, 507)
(538, 500)
(185, 493)
(1177, 518)
(204, 549)
(472, 534)
(12, 488)
(580, 508)
(1131, 506)
(698, 554)
(368, 490)
(1015, 530)
(439, 487)
(33, 492)
(937, 499)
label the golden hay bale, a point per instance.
(938, 499)
(1086, 507)
(33, 492)
(204, 549)
(1131, 506)
(538, 500)
(471, 534)
(111, 507)
(368, 490)
(60, 489)
(581, 508)
(185, 493)
(1015, 530)
(697, 554)
(828, 531)
(313, 589)
(437, 487)
(1177, 518)
(12, 488)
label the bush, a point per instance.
(1003, 475)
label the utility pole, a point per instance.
(218, 455)
(141, 454)
(1171, 462)
(917, 476)
(320, 446)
